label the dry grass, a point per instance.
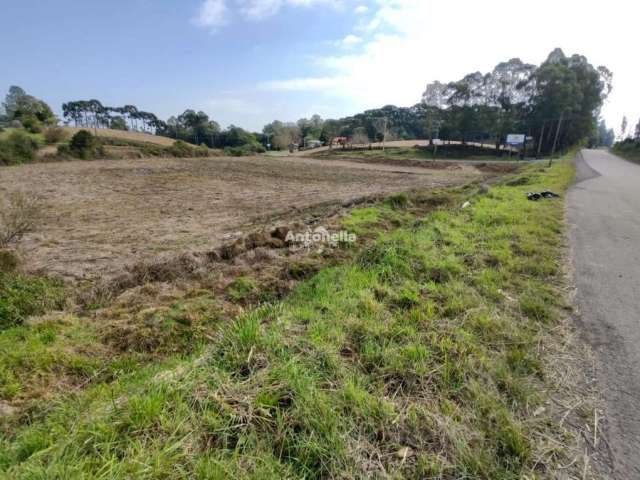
(53, 135)
(126, 135)
(102, 215)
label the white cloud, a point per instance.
(260, 9)
(418, 42)
(349, 41)
(212, 14)
(361, 9)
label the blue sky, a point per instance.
(248, 62)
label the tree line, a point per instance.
(556, 104)
(92, 114)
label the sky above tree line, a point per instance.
(248, 62)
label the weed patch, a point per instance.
(22, 296)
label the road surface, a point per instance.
(604, 213)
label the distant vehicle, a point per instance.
(313, 144)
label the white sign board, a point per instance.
(515, 139)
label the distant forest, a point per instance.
(556, 103)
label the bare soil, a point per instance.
(102, 216)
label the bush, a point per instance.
(628, 148)
(32, 124)
(244, 150)
(180, 149)
(17, 148)
(18, 216)
(202, 151)
(54, 135)
(184, 150)
(83, 145)
(22, 296)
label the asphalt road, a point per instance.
(604, 214)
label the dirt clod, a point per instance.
(280, 232)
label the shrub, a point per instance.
(202, 151)
(183, 150)
(18, 216)
(54, 135)
(628, 148)
(244, 150)
(6, 153)
(64, 150)
(398, 202)
(84, 145)
(22, 296)
(32, 124)
(180, 149)
(17, 148)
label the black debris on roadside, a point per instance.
(535, 196)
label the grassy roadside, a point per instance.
(420, 357)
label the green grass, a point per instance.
(22, 296)
(64, 349)
(277, 153)
(417, 358)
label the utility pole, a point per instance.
(540, 140)
(384, 133)
(555, 140)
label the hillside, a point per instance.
(125, 135)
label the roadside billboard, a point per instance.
(515, 139)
